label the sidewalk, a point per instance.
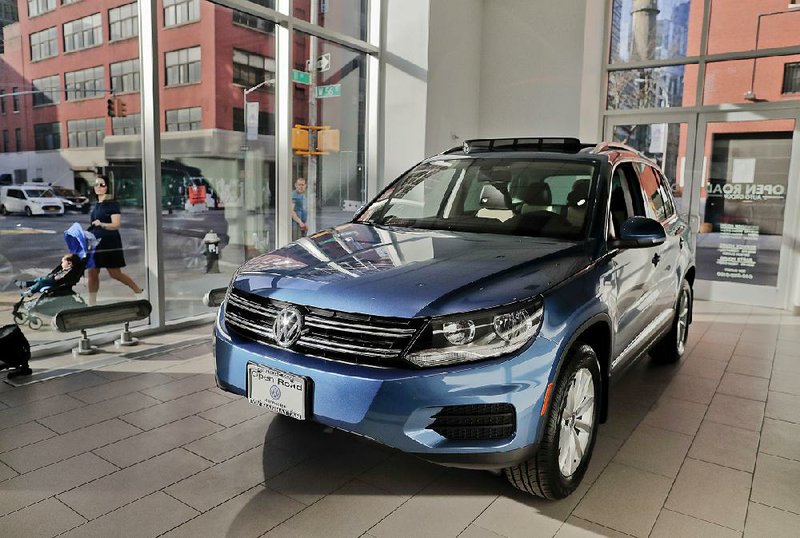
(148, 446)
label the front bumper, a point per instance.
(394, 406)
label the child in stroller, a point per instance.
(48, 295)
(69, 262)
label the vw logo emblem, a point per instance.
(287, 326)
(275, 392)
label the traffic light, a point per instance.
(121, 109)
(299, 138)
(328, 140)
(111, 107)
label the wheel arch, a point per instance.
(596, 332)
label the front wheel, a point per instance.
(3, 210)
(28, 211)
(671, 347)
(569, 431)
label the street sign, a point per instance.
(324, 62)
(251, 120)
(301, 77)
(334, 90)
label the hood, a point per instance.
(409, 273)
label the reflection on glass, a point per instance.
(654, 29)
(743, 26)
(660, 87)
(57, 139)
(218, 150)
(746, 81)
(665, 143)
(742, 202)
(344, 16)
(329, 140)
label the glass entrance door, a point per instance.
(744, 189)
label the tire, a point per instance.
(35, 323)
(3, 210)
(672, 346)
(20, 319)
(28, 211)
(547, 474)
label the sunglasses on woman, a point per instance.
(100, 185)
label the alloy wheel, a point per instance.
(577, 422)
(683, 321)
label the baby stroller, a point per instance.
(34, 309)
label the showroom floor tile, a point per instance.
(150, 447)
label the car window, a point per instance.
(39, 193)
(626, 197)
(547, 198)
(654, 192)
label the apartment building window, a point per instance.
(47, 89)
(123, 22)
(130, 124)
(37, 7)
(184, 119)
(266, 122)
(84, 84)
(183, 66)
(2, 102)
(250, 69)
(125, 76)
(18, 138)
(15, 99)
(65, 2)
(47, 136)
(6, 149)
(251, 21)
(791, 78)
(83, 33)
(87, 133)
(44, 44)
(180, 12)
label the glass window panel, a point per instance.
(344, 16)
(743, 201)
(335, 181)
(229, 190)
(747, 81)
(738, 26)
(661, 87)
(655, 29)
(47, 136)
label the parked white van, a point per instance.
(30, 199)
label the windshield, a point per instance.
(63, 191)
(39, 193)
(540, 198)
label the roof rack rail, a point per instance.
(604, 146)
(560, 144)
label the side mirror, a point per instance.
(639, 232)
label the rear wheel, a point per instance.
(569, 431)
(672, 347)
(35, 323)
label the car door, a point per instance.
(632, 269)
(658, 205)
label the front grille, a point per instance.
(354, 338)
(477, 422)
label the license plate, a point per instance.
(277, 391)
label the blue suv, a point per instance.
(474, 313)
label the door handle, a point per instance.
(656, 258)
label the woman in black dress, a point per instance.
(106, 220)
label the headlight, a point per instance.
(477, 335)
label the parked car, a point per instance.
(474, 313)
(72, 199)
(30, 199)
